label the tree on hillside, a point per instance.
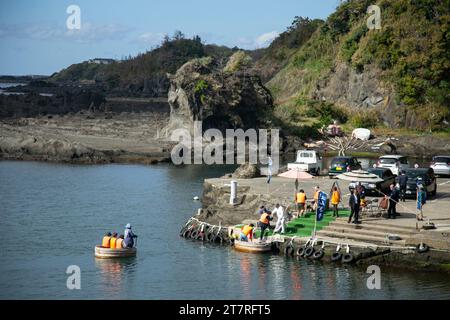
(178, 35)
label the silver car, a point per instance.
(396, 163)
(441, 165)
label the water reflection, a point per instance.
(246, 276)
(296, 283)
(115, 275)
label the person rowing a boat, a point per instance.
(128, 242)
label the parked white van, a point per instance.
(396, 163)
(307, 160)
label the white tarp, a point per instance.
(361, 134)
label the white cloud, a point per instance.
(266, 39)
(87, 33)
(261, 41)
(151, 38)
(93, 33)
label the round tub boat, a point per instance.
(108, 253)
(254, 247)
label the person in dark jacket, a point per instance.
(393, 199)
(402, 181)
(354, 203)
(361, 190)
(129, 237)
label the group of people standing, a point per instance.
(356, 201)
(265, 216)
(301, 198)
(113, 241)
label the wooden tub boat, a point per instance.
(108, 253)
(254, 247)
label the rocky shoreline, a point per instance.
(86, 137)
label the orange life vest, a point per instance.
(112, 243)
(316, 196)
(119, 243)
(246, 230)
(335, 197)
(301, 197)
(264, 218)
(106, 241)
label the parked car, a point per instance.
(441, 165)
(420, 175)
(375, 188)
(307, 160)
(396, 163)
(343, 164)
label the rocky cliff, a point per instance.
(222, 97)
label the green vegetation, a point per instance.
(154, 65)
(200, 90)
(410, 56)
(238, 61)
(412, 52)
(270, 60)
(368, 119)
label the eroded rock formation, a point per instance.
(220, 97)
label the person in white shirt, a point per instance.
(281, 219)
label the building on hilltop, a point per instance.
(101, 61)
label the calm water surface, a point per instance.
(52, 215)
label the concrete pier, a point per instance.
(369, 239)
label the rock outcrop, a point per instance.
(81, 138)
(247, 171)
(222, 98)
(361, 91)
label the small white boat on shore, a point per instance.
(254, 246)
(108, 253)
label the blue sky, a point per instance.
(34, 38)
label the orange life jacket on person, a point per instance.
(301, 197)
(335, 197)
(246, 230)
(106, 242)
(112, 243)
(264, 218)
(119, 243)
(316, 196)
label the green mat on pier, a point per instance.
(304, 226)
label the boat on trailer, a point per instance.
(108, 253)
(254, 246)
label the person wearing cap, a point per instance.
(129, 236)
